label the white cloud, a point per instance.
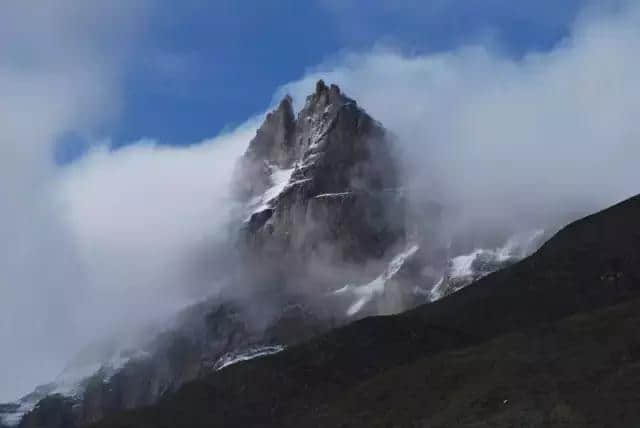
(505, 137)
(59, 71)
(140, 216)
(117, 237)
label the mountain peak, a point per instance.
(321, 87)
(323, 97)
(324, 171)
(286, 103)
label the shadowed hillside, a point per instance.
(550, 341)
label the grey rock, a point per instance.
(341, 203)
(270, 145)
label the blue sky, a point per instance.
(201, 66)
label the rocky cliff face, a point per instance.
(320, 189)
(207, 337)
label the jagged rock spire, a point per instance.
(274, 135)
(321, 87)
(336, 163)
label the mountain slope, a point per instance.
(347, 377)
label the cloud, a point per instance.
(506, 138)
(117, 237)
(59, 72)
(140, 216)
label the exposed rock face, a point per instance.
(174, 358)
(208, 337)
(53, 411)
(271, 143)
(321, 187)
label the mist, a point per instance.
(60, 72)
(116, 237)
(506, 141)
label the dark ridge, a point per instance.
(551, 341)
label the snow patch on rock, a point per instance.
(467, 268)
(365, 293)
(71, 382)
(12, 416)
(236, 357)
(333, 195)
(279, 181)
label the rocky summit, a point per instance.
(321, 188)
